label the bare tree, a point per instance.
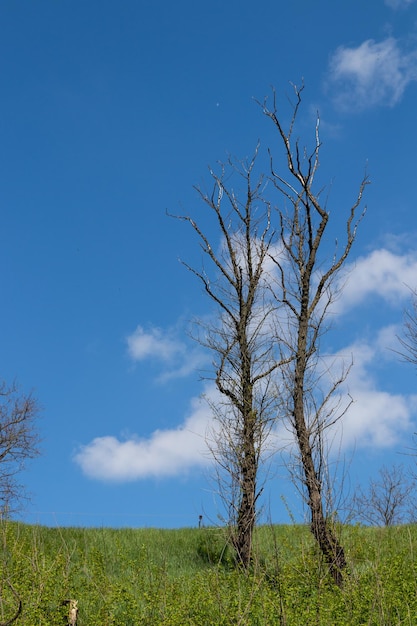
(239, 337)
(386, 501)
(409, 339)
(273, 289)
(305, 289)
(18, 441)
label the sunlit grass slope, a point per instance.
(187, 577)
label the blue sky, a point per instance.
(110, 112)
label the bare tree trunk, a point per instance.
(323, 533)
(326, 539)
(246, 516)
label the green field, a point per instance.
(187, 577)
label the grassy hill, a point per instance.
(187, 577)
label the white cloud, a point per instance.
(387, 341)
(178, 359)
(371, 74)
(381, 273)
(376, 418)
(165, 453)
(154, 343)
(398, 4)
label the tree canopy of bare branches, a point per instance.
(19, 441)
(304, 290)
(386, 501)
(239, 338)
(272, 290)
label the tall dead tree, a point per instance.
(304, 289)
(239, 337)
(272, 289)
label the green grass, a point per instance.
(187, 577)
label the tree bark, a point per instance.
(244, 358)
(304, 291)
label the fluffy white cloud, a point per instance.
(373, 73)
(382, 273)
(154, 343)
(178, 359)
(376, 418)
(165, 453)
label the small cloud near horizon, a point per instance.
(166, 453)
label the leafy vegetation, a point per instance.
(188, 577)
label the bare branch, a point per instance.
(19, 440)
(386, 501)
(409, 339)
(306, 294)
